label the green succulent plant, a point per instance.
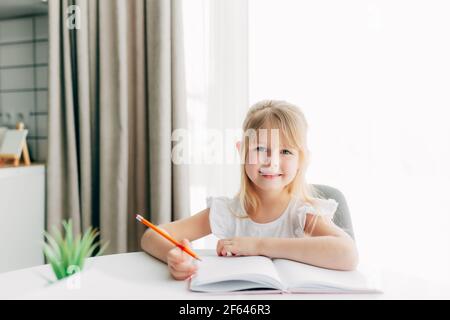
(66, 253)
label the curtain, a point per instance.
(116, 93)
(216, 37)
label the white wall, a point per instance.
(373, 79)
(23, 79)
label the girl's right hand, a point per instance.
(181, 264)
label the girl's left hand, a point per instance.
(238, 246)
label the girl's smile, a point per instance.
(270, 175)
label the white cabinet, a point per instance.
(22, 216)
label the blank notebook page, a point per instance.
(298, 275)
(213, 268)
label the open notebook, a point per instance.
(258, 273)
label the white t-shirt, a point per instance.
(225, 221)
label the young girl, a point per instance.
(275, 213)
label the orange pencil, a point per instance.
(167, 236)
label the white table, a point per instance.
(140, 276)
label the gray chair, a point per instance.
(342, 216)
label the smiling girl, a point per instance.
(275, 213)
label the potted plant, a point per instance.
(67, 253)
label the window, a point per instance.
(372, 78)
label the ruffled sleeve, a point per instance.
(221, 219)
(322, 207)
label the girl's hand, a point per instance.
(239, 246)
(180, 263)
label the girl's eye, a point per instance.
(286, 151)
(261, 149)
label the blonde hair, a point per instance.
(292, 125)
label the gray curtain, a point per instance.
(116, 93)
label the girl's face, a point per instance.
(271, 164)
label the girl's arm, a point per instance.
(191, 228)
(325, 245)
